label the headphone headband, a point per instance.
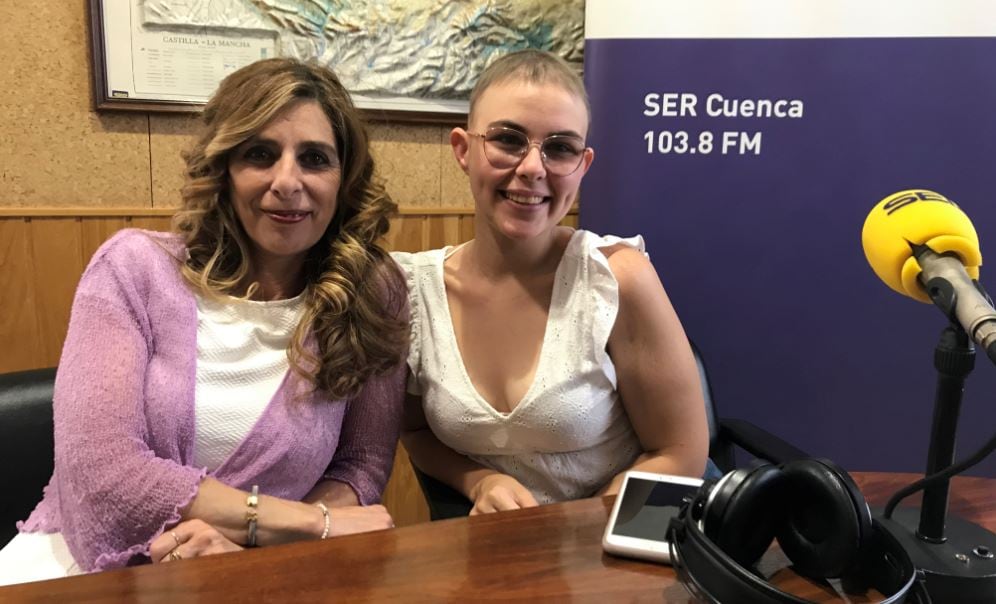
(714, 576)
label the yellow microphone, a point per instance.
(922, 245)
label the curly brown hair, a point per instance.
(354, 293)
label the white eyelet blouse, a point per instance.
(569, 435)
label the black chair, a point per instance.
(724, 436)
(26, 447)
(443, 500)
(727, 434)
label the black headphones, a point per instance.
(820, 519)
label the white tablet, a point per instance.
(643, 509)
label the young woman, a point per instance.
(548, 360)
(239, 382)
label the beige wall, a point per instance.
(57, 152)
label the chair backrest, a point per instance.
(443, 500)
(720, 448)
(710, 405)
(26, 444)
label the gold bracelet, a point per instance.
(252, 515)
(328, 520)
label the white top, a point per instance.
(569, 435)
(36, 557)
(241, 362)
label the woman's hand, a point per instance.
(500, 492)
(190, 539)
(359, 519)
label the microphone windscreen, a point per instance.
(920, 217)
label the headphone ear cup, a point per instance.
(745, 512)
(827, 520)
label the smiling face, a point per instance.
(284, 182)
(526, 200)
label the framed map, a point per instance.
(411, 60)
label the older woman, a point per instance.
(239, 382)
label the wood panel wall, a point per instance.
(43, 254)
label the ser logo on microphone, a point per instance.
(931, 254)
(901, 200)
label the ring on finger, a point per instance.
(174, 555)
(175, 538)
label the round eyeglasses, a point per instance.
(506, 148)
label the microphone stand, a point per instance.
(954, 556)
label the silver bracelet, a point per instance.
(328, 519)
(252, 515)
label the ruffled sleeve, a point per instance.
(409, 266)
(604, 291)
(113, 493)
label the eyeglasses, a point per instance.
(506, 148)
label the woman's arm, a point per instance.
(658, 380)
(490, 491)
(333, 493)
(357, 475)
(279, 520)
(114, 493)
(369, 437)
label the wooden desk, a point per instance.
(551, 553)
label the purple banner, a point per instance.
(750, 166)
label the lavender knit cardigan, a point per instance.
(124, 415)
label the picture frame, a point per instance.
(146, 59)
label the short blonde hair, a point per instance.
(354, 292)
(533, 66)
